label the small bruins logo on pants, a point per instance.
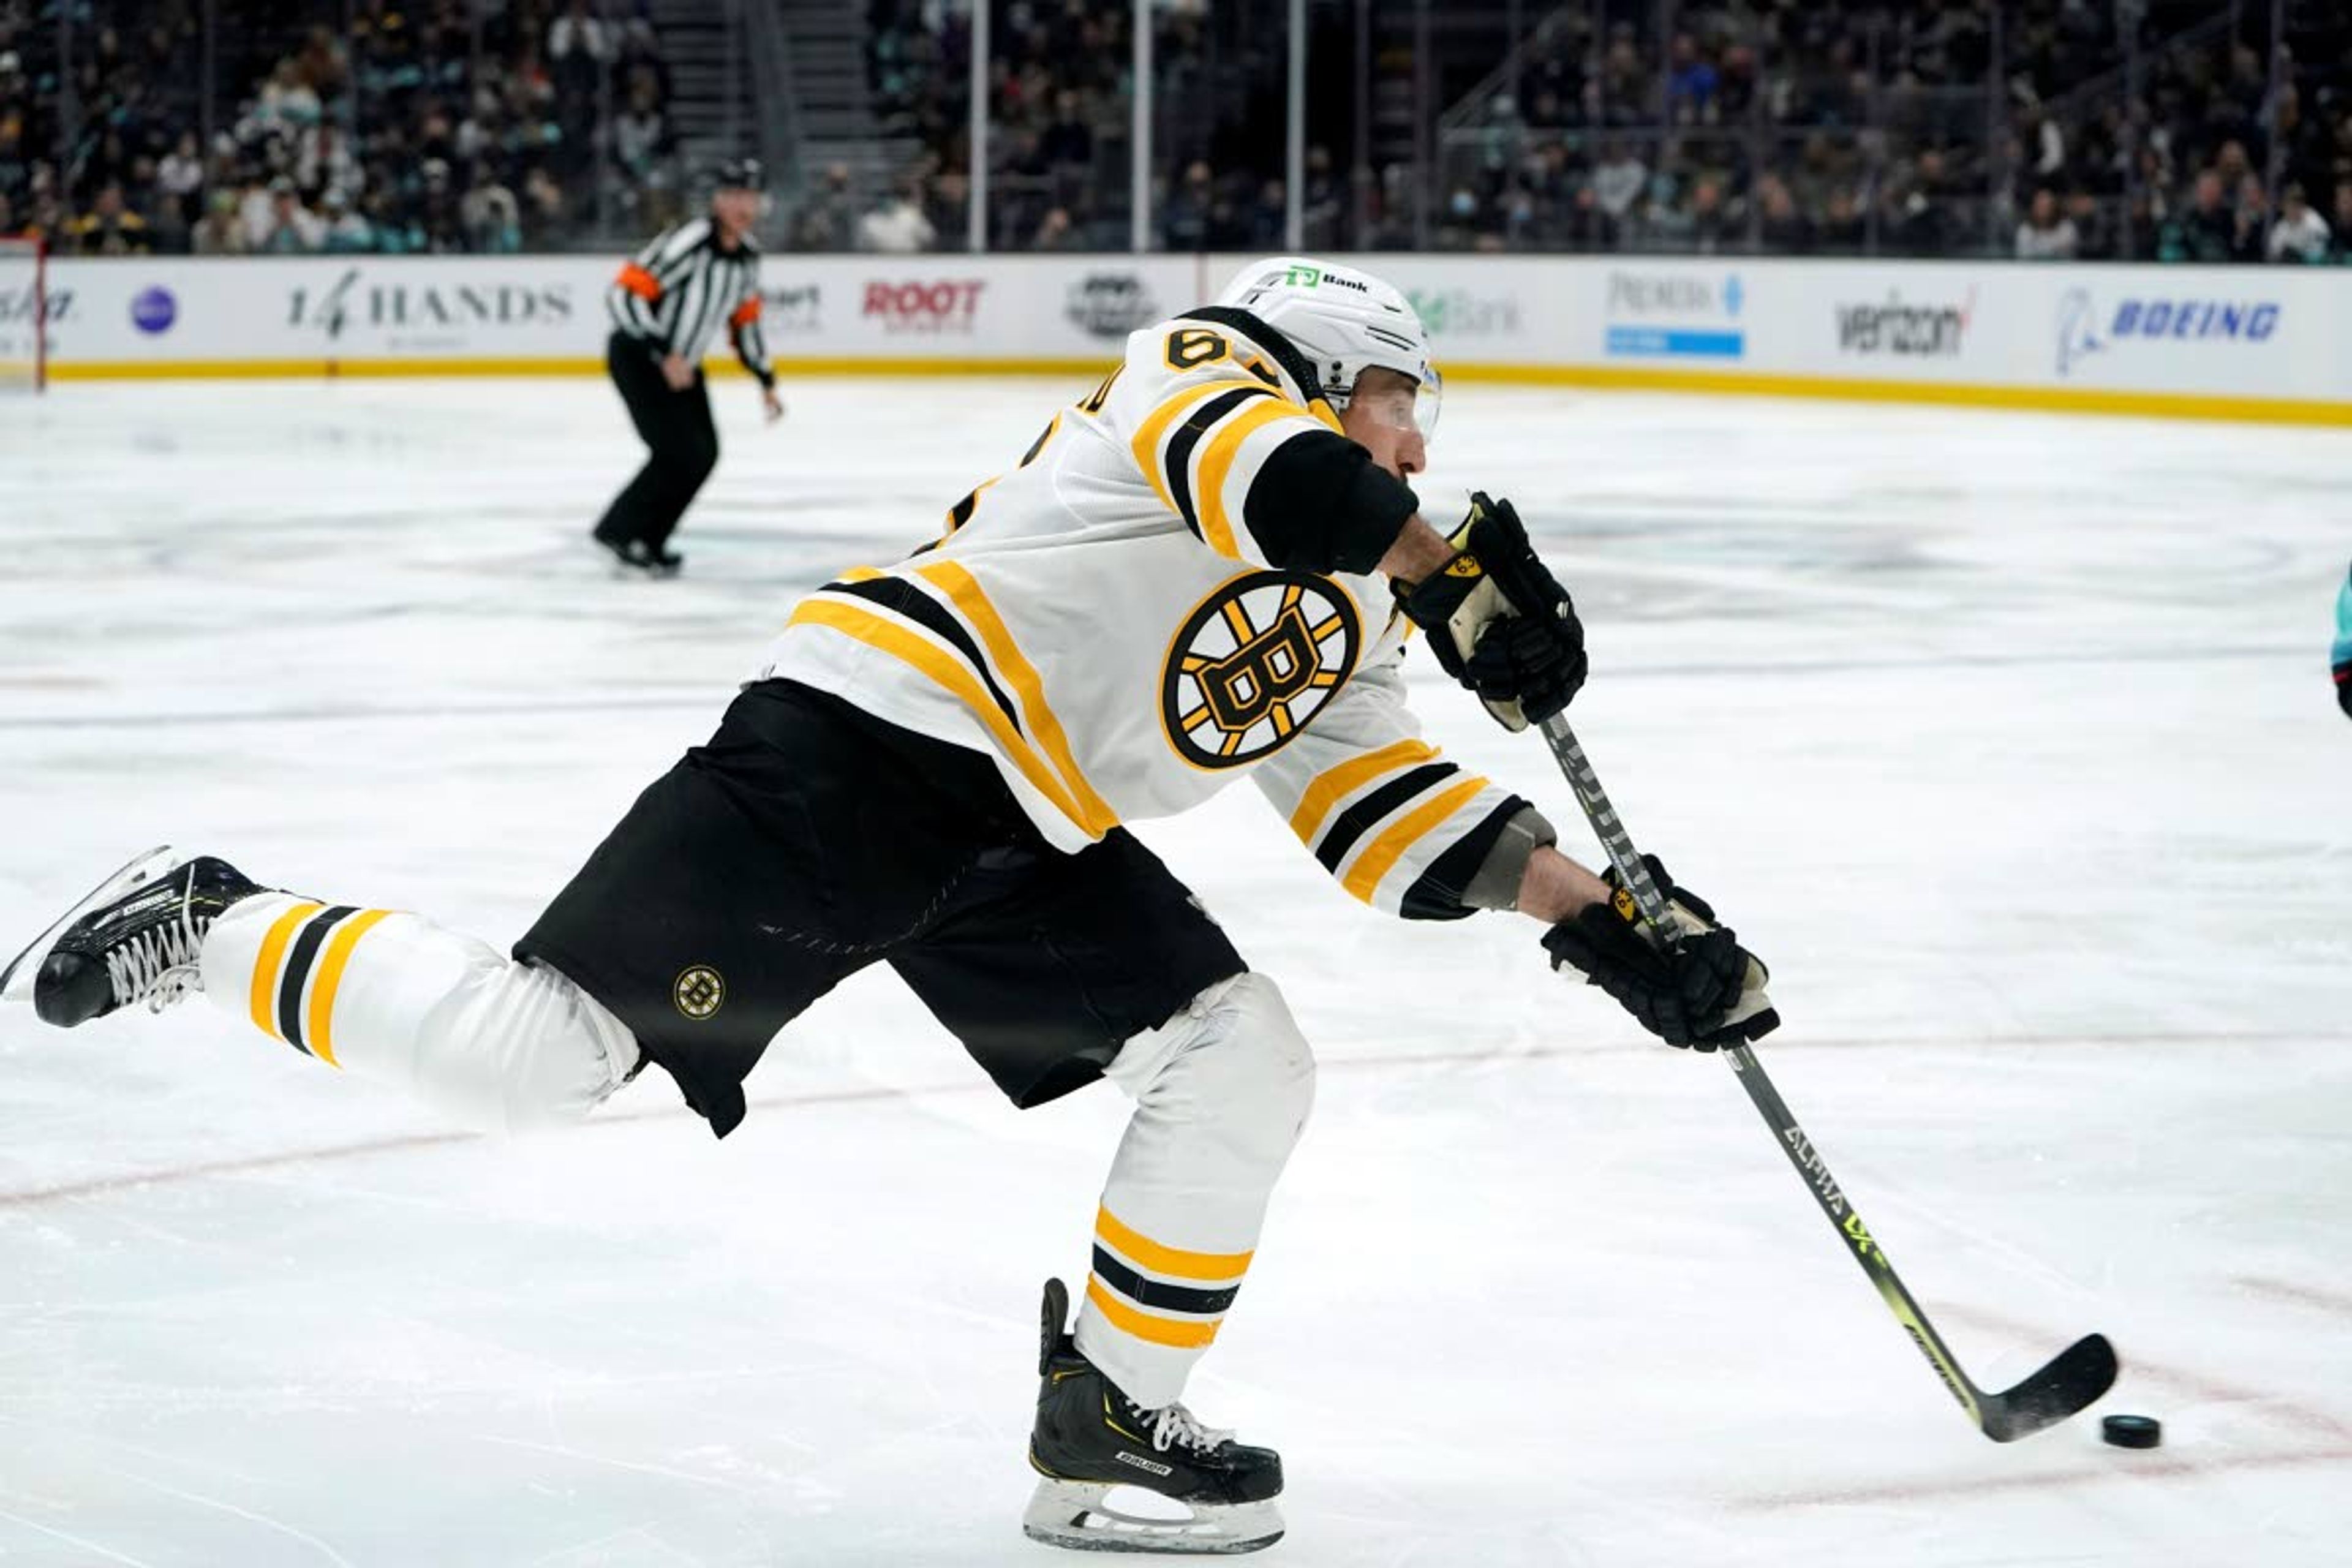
(1253, 662)
(700, 992)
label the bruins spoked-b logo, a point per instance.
(698, 992)
(1253, 662)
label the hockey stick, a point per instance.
(2079, 1374)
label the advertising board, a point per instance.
(2250, 343)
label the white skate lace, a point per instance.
(159, 966)
(1172, 1425)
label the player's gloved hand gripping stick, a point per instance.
(1502, 626)
(2080, 1373)
(1498, 621)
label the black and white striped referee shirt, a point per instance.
(681, 289)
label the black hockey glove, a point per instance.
(1704, 992)
(1500, 622)
(2344, 689)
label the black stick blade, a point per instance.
(2081, 1372)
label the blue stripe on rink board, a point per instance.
(1678, 342)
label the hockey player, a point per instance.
(667, 306)
(2339, 657)
(1203, 569)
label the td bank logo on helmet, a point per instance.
(1301, 276)
(2086, 329)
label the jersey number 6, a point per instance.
(1195, 346)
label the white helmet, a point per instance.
(1342, 321)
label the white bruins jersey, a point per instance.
(1170, 592)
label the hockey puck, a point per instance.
(2132, 1431)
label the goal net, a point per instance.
(23, 310)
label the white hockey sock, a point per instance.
(1221, 1091)
(495, 1046)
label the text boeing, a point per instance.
(2085, 329)
(2253, 320)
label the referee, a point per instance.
(667, 306)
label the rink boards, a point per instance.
(2263, 343)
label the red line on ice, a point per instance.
(100, 1184)
(2301, 1295)
(2129, 1467)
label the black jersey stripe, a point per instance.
(298, 970)
(1038, 446)
(897, 594)
(1158, 1294)
(1437, 893)
(1358, 819)
(1179, 460)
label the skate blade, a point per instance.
(17, 979)
(1080, 1516)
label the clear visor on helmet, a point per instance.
(1399, 406)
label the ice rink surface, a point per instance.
(2007, 741)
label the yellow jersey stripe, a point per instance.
(955, 678)
(1180, 1333)
(1214, 1268)
(1332, 783)
(1384, 851)
(265, 964)
(1154, 428)
(1217, 455)
(963, 590)
(859, 574)
(331, 964)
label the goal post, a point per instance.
(24, 314)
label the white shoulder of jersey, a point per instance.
(1201, 407)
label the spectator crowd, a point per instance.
(2037, 129)
(446, 126)
(2028, 127)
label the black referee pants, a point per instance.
(677, 425)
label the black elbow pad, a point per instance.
(1319, 504)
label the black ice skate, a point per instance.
(637, 558)
(136, 938)
(1090, 1438)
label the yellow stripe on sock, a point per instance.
(1213, 1268)
(265, 965)
(331, 975)
(1180, 1333)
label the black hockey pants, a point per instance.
(677, 425)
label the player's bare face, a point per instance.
(1380, 418)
